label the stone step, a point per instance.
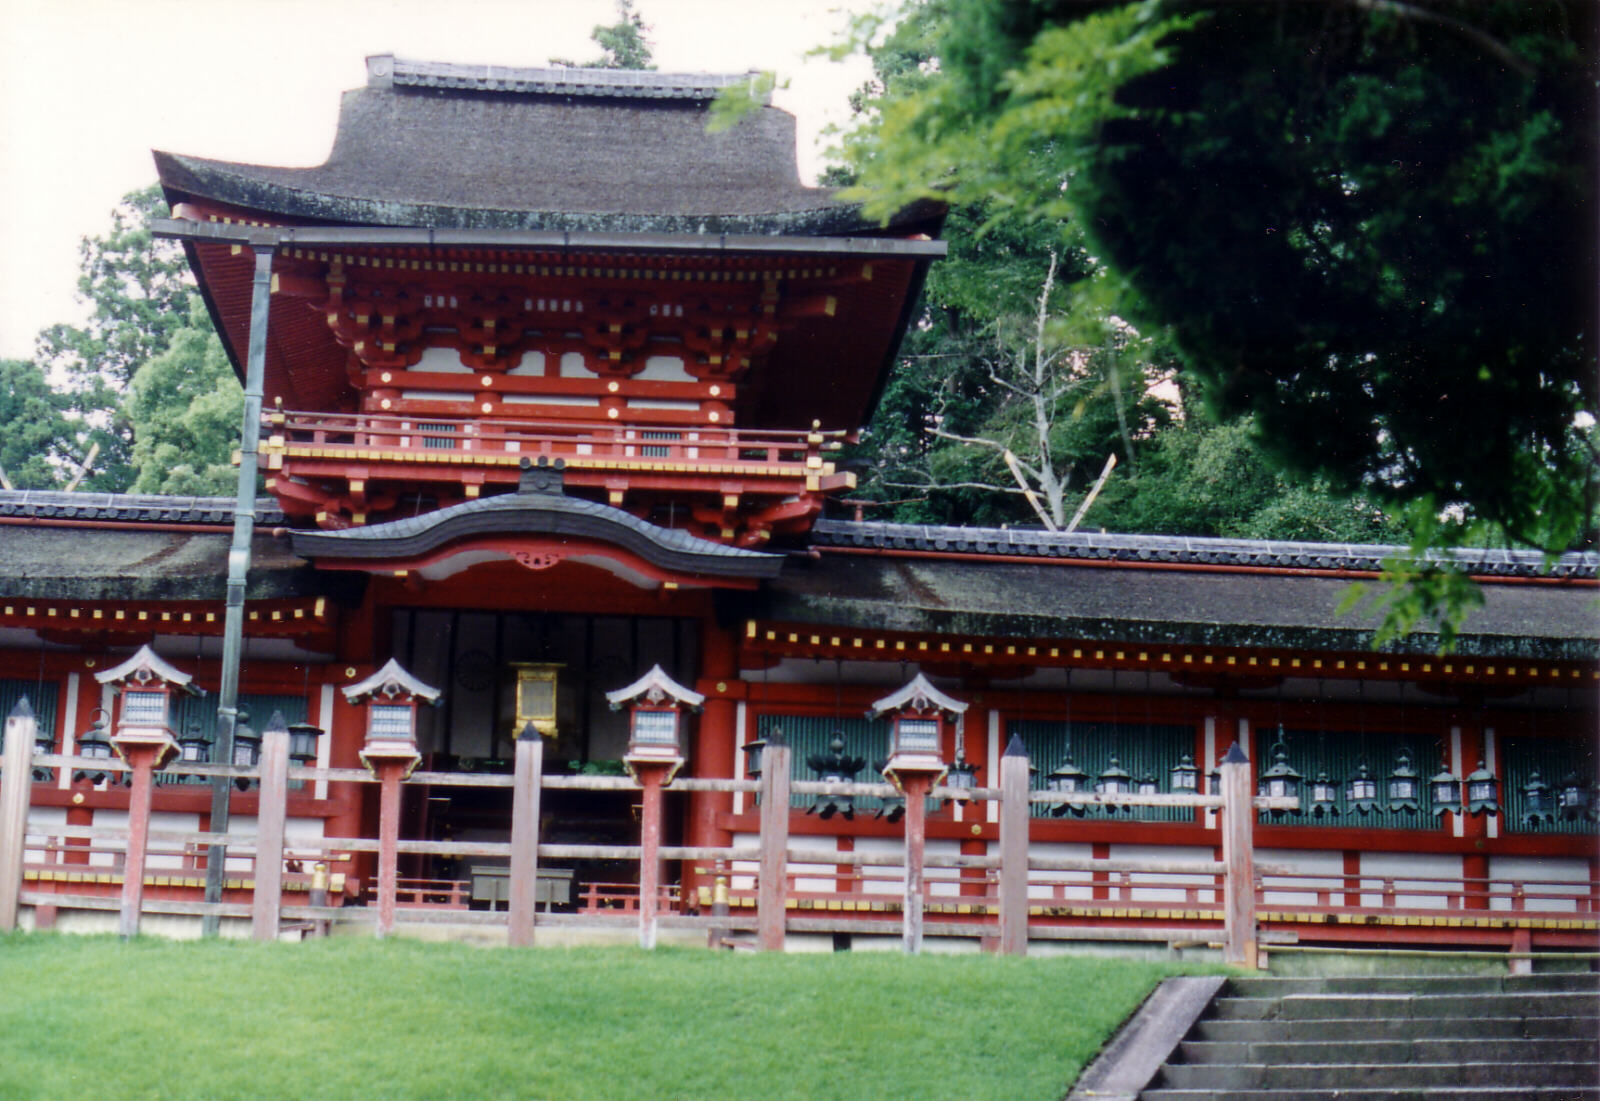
(1405, 1028)
(1345, 1076)
(1551, 982)
(1392, 1051)
(1440, 1093)
(1320, 1006)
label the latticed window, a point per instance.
(196, 717)
(1145, 751)
(1559, 763)
(810, 734)
(656, 450)
(1368, 757)
(41, 697)
(439, 437)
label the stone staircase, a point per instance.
(1509, 1038)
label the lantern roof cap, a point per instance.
(920, 694)
(391, 680)
(655, 686)
(144, 665)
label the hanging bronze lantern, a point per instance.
(1444, 791)
(1483, 791)
(1403, 785)
(1361, 791)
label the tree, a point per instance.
(139, 289)
(184, 406)
(623, 44)
(1369, 224)
(36, 439)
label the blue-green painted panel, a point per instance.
(1555, 760)
(201, 712)
(41, 697)
(810, 734)
(1141, 749)
(1341, 753)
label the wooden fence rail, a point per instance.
(772, 866)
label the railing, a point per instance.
(1007, 895)
(581, 443)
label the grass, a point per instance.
(94, 1017)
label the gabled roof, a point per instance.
(144, 664)
(655, 686)
(391, 680)
(921, 695)
(478, 147)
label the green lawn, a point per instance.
(92, 1017)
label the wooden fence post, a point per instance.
(266, 903)
(144, 759)
(916, 787)
(1014, 814)
(16, 788)
(525, 792)
(650, 776)
(390, 770)
(771, 894)
(1238, 853)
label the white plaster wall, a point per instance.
(1042, 885)
(1144, 887)
(40, 821)
(105, 854)
(1313, 870)
(1540, 875)
(168, 855)
(1416, 871)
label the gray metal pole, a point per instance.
(244, 524)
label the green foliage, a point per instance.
(354, 1018)
(623, 44)
(1203, 478)
(1370, 227)
(36, 439)
(737, 101)
(185, 406)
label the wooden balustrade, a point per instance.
(1007, 892)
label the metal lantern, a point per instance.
(391, 695)
(1115, 780)
(1483, 791)
(920, 716)
(1404, 785)
(1444, 790)
(246, 747)
(1280, 781)
(892, 808)
(752, 754)
(1573, 798)
(1538, 805)
(44, 741)
(835, 767)
(1183, 776)
(532, 692)
(1146, 785)
(96, 744)
(963, 774)
(1068, 779)
(655, 726)
(1324, 801)
(194, 748)
(1361, 791)
(303, 743)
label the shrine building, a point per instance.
(554, 385)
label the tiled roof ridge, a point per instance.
(141, 508)
(1177, 549)
(552, 80)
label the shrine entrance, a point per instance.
(472, 656)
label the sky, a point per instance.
(89, 87)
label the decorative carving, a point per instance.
(536, 560)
